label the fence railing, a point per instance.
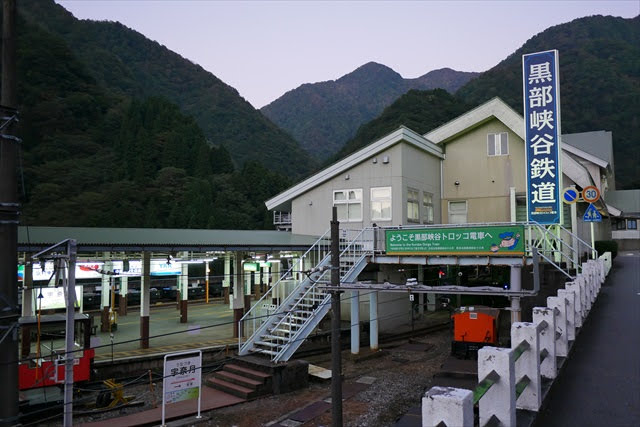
(511, 378)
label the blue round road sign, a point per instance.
(570, 195)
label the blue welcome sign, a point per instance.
(542, 136)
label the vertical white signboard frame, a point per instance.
(182, 378)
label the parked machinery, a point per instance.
(473, 328)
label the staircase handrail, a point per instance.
(312, 288)
(554, 237)
(575, 236)
(271, 291)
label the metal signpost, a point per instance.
(542, 136)
(591, 194)
(182, 378)
(484, 240)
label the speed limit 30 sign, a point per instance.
(591, 194)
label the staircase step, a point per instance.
(263, 351)
(246, 372)
(238, 379)
(233, 389)
(269, 344)
(275, 338)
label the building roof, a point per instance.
(597, 143)
(626, 200)
(403, 134)
(161, 240)
(494, 108)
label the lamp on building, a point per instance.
(457, 183)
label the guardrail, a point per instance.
(511, 378)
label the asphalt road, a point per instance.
(600, 383)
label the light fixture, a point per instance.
(385, 159)
(457, 182)
(347, 176)
(375, 160)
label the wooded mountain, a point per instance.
(125, 62)
(322, 116)
(95, 156)
(599, 89)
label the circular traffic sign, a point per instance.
(591, 194)
(570, 195)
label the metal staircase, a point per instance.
(278, 330)
(559, 247)
(283, 318)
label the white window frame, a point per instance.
(466, 211)
(349, 202)
(380, 200)
(416, 202)
(427, 207)
(496, 144)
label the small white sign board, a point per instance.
(182, 378)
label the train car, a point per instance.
(48, 369)
(473, 328)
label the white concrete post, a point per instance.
(105, 293)
(562, 340)
(500, 399)
(226, 280)
(575, 288)
(145, 284)
(548, 366)
(184, 279)
(373, 321)
(124, 285)
(528, 364)
(583, 295)
(448, 405)
(355, 322)
(421, 296)
(571, 312)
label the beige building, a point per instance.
(469, 170)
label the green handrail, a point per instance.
(483, 386)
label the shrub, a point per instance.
(603, 246)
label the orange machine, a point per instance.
(473, 328)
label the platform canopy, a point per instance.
(32, 239)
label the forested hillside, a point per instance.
(322, 116)
(599, 86)
(125, 62)
(92, 156)
(415, 109)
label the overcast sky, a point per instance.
(266, 48)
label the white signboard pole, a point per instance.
(182, 378)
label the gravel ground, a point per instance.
(400, 376)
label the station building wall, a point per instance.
(484, 181)
(399, 167)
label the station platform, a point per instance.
(209, 325)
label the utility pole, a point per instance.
(9, 209)
(336, 356)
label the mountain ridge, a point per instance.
(322, 116)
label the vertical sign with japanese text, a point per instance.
(542, 136)
(182, 378)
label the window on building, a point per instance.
(621, 224)
(632, 224)
(458, 212)
(498, 144)
(427, 208)
(349, 204)
(381, 204)
(413, 206)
